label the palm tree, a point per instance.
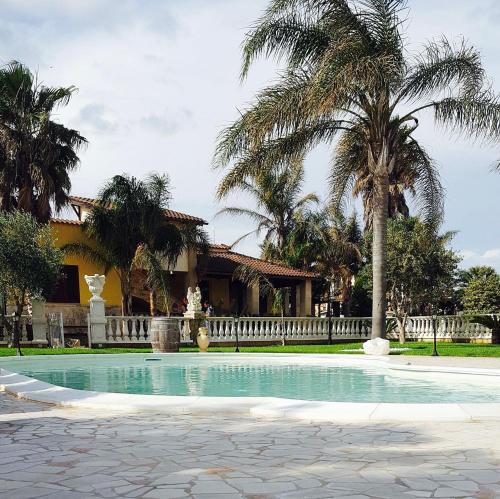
(413, 171)
(36, 153)
(130, 230)
(280, 207)
(336, 251)
(348, 71)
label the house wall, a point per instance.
(66, 233)
(219, 293)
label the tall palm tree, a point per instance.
(413, 171)
(281, 206)
(130, 230)
(348, 71)
(36, 153)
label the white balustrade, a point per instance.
(134, 329)
(448, 327)
(255, 329)
(123, 330)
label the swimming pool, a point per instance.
(306, 378)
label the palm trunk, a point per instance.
(153, 309)
(126, 294)
(379, 254)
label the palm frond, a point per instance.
(245, 212)
(476, 116)
(89, 254)
(440, 67)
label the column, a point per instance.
(306, 298)
(39, 322)
(298, 308)
(253, 298)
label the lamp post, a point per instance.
(236, 333)
(434, 332)
(330, 328)
(329, 311)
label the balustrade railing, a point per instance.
(122, 329)
(448, 327)
(136, 329)
(7, 324)
(254, 329)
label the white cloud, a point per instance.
(97, 118)
(166, 123)
(140, 64)
(489, 257)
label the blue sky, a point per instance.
(159, 79)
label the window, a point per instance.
(68, 286)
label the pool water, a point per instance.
(246, 376)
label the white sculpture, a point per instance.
(377, 346)
(194, 300)
(96, 284)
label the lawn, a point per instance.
(444, 349)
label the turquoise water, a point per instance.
(211, 375)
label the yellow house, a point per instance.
(212, 272)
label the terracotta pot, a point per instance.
(165, 335)
(202, 339)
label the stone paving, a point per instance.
(64, 453)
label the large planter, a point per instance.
(165, 335)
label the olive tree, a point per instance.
(420, 268)
(30, 263)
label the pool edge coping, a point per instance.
(33, 389)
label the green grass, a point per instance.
(445, 349)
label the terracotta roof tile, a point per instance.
(65, 221)
(222, 251)
(171, 214)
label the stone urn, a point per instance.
(165, 335)
(96, 284)
(202, 339)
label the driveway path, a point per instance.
(64, 454)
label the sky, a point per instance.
(159, 79)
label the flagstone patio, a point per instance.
(66, 453)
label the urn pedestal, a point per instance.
(165, 335)
(196, 319)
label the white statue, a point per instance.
(194, 300)
(378, 346)
(96, 284)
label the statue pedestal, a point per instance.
(196, 319)
(97, 317)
